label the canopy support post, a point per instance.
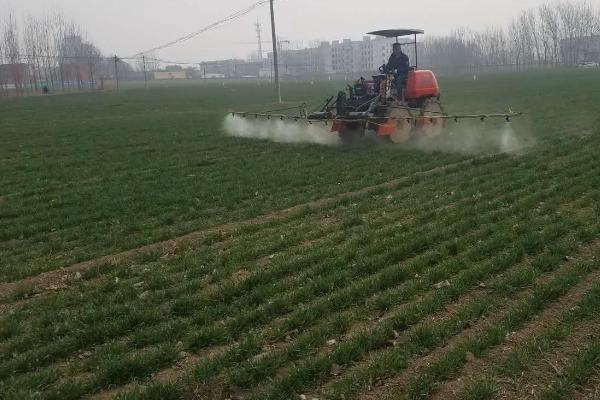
(416, 53)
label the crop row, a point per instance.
(583, 160)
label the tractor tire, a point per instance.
(431, 127)
(404, 124)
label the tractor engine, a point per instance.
(357, 99)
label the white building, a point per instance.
(302, 62)
(339, 57)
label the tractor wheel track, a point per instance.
(546, 370)
(474, 368)
(400, 383)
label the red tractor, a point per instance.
(397, 107)
(395, 110)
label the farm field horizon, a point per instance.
(147, 254)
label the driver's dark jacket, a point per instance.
(398, 64)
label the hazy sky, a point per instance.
(126, 27)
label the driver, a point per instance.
(399, 65)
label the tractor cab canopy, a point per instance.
(390, 33)
(396, 33)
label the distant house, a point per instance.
(225, 68)
(230, 69)
(248, 69)
(79, 62)
(213, 76)
(580, 50)
(14, 75)
(170, 75)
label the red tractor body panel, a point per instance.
(421, 84)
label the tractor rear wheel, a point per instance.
(431, 127)
(401, 116)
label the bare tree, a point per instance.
(530, 18)
(11, 50)
(46, 49)
(568, 21)
(585, 30)
(492, 42)
(95, 63)
(554, 33)
(44, 40)
(596, 23)
(3, 82)
(525, 27)
(59, 28)
(550, 30)
(516, 43)
(32, 49)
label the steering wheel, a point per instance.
(382, 69)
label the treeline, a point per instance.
(552, 34)
(49, 52)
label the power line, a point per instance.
(172, 62)
(230, 18)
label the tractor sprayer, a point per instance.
(397, 105)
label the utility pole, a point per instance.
(117, 71)
(275, 58)
(145, 73)
(259, 35)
